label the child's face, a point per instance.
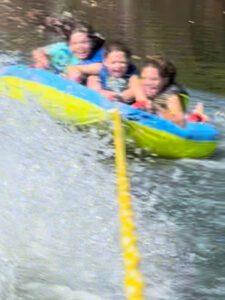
(152, 82)
(117, 63)
(80, 45)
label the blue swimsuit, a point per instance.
(61, 56)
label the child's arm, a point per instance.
(128, 94)
(140, 98)
(173, 111)
(85, 69)
(95, 84)
(40, 58)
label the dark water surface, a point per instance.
(58, 225)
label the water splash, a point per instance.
(58, 214)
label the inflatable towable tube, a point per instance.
(70, 101)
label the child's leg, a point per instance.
(198, 114)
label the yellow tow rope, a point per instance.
(133, 280)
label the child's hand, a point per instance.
(42, 64)
(112, 96)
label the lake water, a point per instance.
(59, 230)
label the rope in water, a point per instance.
(133, 279)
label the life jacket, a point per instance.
(174, 89)
(116, 84)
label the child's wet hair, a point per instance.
(116, 46)
(82, 27)
(165, 67)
